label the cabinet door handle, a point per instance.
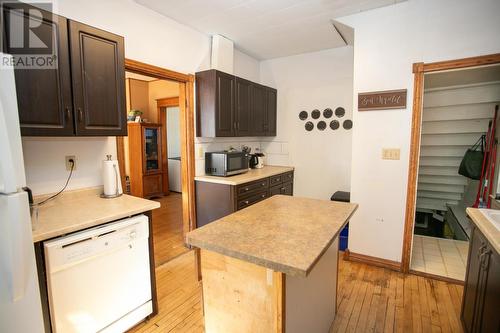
(80, 114)
(246, 202)
(263, 184)
(263, 195)
(484, 263)
(247, 189)
(481, 251)
(68, 113)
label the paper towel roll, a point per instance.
(111, 177)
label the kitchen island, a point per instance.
(272, 267)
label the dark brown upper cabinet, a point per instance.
(43, 95)
(98, 77)
(271, 98)
(243, 107)
(84, 95)
(229, 106)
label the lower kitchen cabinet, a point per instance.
(481, 298)
(214, 200)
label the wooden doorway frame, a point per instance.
(419, 69)
(186, 106)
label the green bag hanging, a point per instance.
(472, 163)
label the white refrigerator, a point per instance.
(20, 305)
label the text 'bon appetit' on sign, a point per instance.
(382, 100)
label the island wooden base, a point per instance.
(240, 296)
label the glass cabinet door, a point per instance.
(152, 148)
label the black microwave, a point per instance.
(225, 163)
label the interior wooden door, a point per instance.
(98, 75)
(43, 95)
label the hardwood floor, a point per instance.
(370, 299)
(179, 298)
(167, 229)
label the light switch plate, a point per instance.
(390, 153)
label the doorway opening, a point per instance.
(458, 107)
(454, 105)
(153, 142)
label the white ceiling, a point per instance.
(267, 29)
(461, 77)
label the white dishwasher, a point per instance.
(99, 279)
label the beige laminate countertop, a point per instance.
(486, 227)
(283, 233)
(251, 175)
(81, 209)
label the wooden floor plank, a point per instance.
(415, 301)
(391, 304)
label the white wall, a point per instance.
(387, 41)
(44, 159)
(246, 67)
(145, 34)
(305, 82)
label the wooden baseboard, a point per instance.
(374, 261)
(437, 277)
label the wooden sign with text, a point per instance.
(382, 100)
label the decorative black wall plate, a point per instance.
(309, 126)
(334, 124)
(315, 114)
(321, 125)
(347, 124)
(340, 112)
(327, 113)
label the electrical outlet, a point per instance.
(200, 152)
(390, 153)
(68, 163)
(379, 219)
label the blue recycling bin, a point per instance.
(342, 196)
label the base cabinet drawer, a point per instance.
(284, 189)
(243, 203)
(248, 188)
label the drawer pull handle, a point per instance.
(263, 195)
(246, 202)
(277, 179)
(263, 184)
(283, 188)
(246, 188)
